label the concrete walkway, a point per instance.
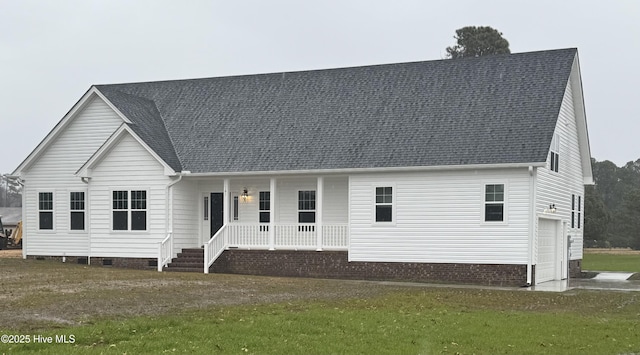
(613, 276)
(604, 281)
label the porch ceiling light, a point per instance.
(245, 194)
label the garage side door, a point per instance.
(547, 263)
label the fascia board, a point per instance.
(371, 170)
(581, 122)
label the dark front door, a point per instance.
(216, 212)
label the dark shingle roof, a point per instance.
(487, 110)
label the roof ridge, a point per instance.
(485, 57)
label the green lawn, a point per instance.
(611, 262)
(111, 311)
(442, 321)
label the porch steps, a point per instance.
(189, 260)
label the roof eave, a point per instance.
(368, 170)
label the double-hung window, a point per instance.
(265, 206)
(579, 209)
(77, 208)
(130, 210)
(306, 207)
(494, 203)
(576, 209)
(45, 210)
(384, 204)
(555, 153)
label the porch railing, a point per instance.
(297, 236)
(294, 236)
(248, 235)
(165, 251)
(215, 246)
(335, 236)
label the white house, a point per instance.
(465, 170)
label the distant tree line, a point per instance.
(612, 206)
(10, 192)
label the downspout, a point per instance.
(532, 209)
(169, 199)
(88, 218)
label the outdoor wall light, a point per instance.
(245, 194)
(551, 209)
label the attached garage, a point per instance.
(549, 266)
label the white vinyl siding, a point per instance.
(335, 209)
(438, 218)
(556, 188)
(186, 215)
(285, 202)
(128, 166)
(54, 171)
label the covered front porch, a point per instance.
(258, 213)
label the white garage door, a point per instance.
(547, 254)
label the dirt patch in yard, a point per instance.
(11, 253)
(42, 293)
(614, 251)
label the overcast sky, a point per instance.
(51, 52)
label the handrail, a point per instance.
(165, 251)
(214, 247)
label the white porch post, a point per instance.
(272, 214)
(225, 202)
(319, 198)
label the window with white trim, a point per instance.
(236, 208)
(576, 209)
(45, 210)
(130, 210)
(265, 206)
(77, 210)
(384, 204)
(307, 206)
(494, 203)
(579, 210)
(205, 208)
(555, 153)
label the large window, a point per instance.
(555, 153)
(77, 207)
(265, 206)
(306, 207)
(130, 210)
(494, 203)
(384, 204)
(45, 210)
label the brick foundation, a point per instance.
(129, 263)
(335, 264)
(575, 268)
